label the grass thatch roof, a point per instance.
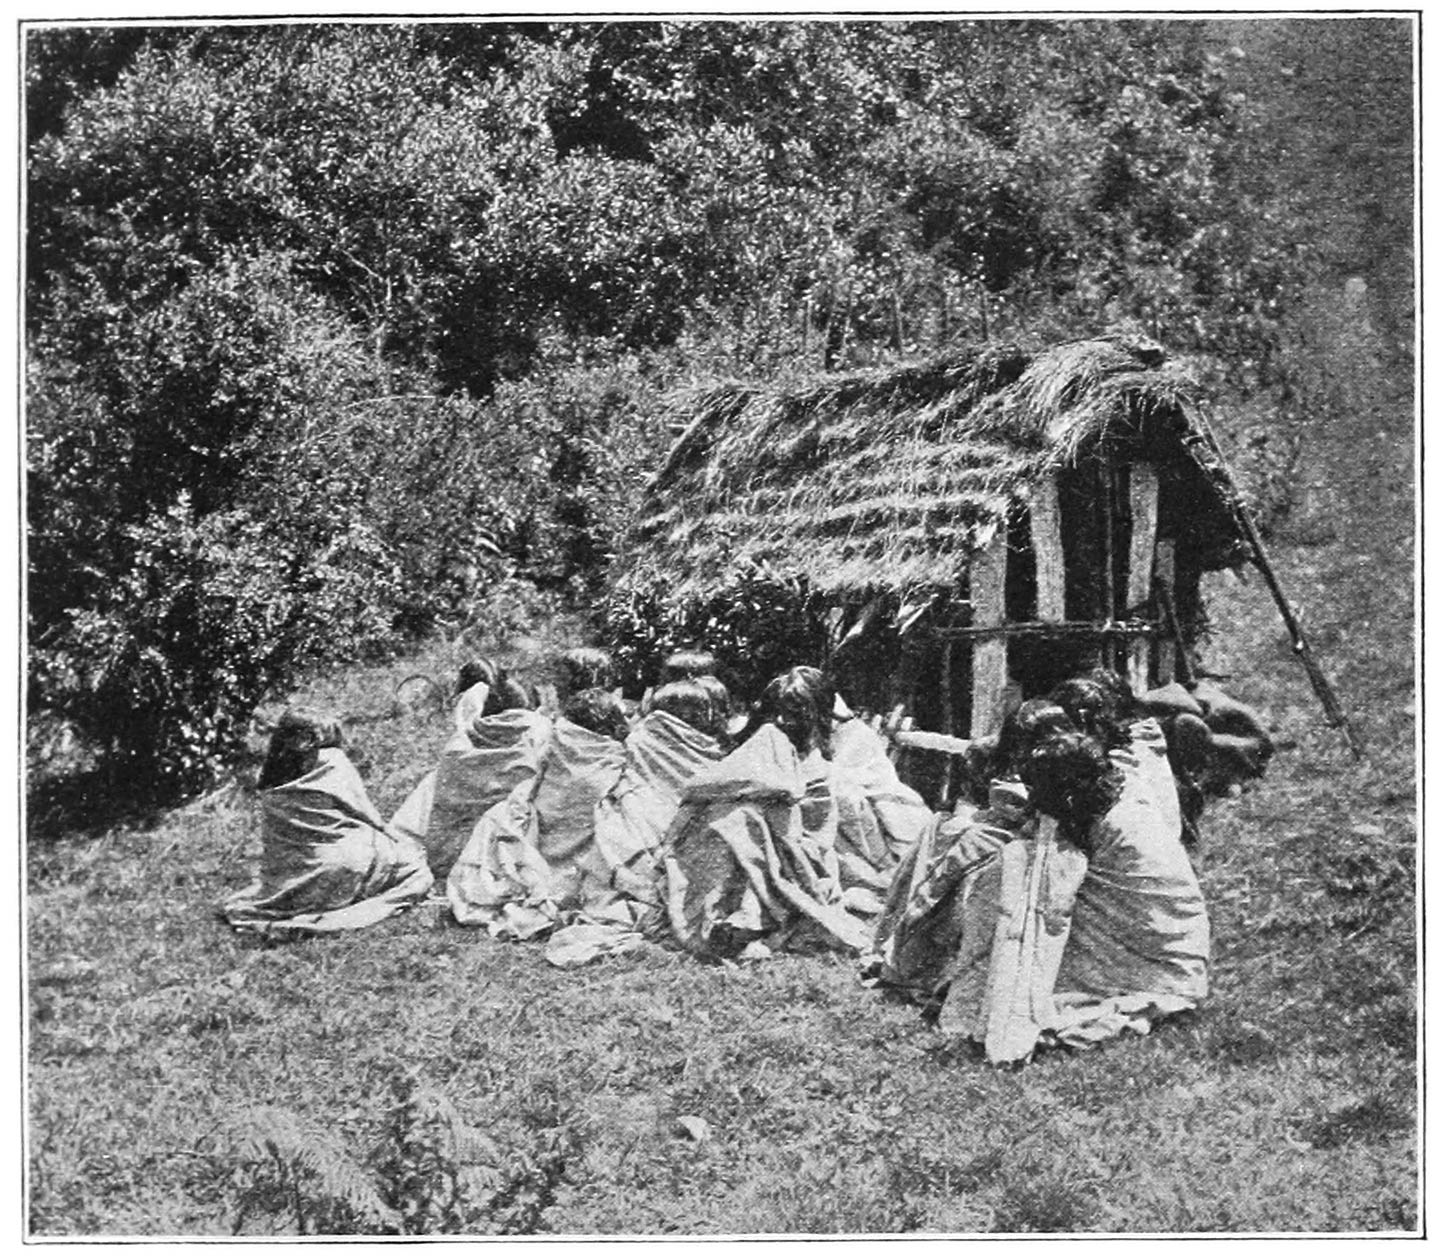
(890, 479)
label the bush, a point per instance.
(759, 624)
(192, 538)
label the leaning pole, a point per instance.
(1204, 437)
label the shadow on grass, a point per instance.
(1044, 1205)
(84, 802)
(1376, 1119)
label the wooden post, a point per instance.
(1049, 553)
(1144, 516)
(1105, 493)
(988, 671)
(947, 715)
(1165, 651)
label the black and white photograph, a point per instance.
(718, 625)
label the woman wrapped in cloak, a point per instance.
(880, 819)
(328, 862)
(1140, 939)
(754, 850)
(917, 935)
(497, 745)
(675, 740)
(532, 855)
(672, 743)
(977, 931)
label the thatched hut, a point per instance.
(962, 527)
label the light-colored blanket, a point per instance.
(480, 765)
(662, 754)
(978, 921)
(1025, 939)
(328, 862)
(936, 889)
(1152, 764)
(1002, 982)
(1140, 925)
(879, 819)
(752, 853)
(532, 855)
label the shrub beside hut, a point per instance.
(947, 535)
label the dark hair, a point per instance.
(599, 710)
(1093, 709)
(719, 703)
(686, 700)
(687, 665)
(1127, 708)
(295, 744)
(801, 704)
(506, 694)
(476, 671)
(585, 668)
(1029, 723)
(1070, 777)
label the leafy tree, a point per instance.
(320, 315)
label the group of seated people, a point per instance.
(1057, 902)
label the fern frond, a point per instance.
(288, 1160)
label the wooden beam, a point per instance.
(988, 661)
(1070, 628)
(1165, 650)
(1144, 517)
(919, 739)
(1049, 553)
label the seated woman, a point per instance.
(328, 862)
(1216, 743)
(752, 853)
(532, 855)
(678, 738)
(917, 935)
(498, 744)
(980, 937)
(1140, 932)
(880, 819)
(1100, 704)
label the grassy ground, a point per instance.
(651, 1094)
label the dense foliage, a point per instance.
(332, 327)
